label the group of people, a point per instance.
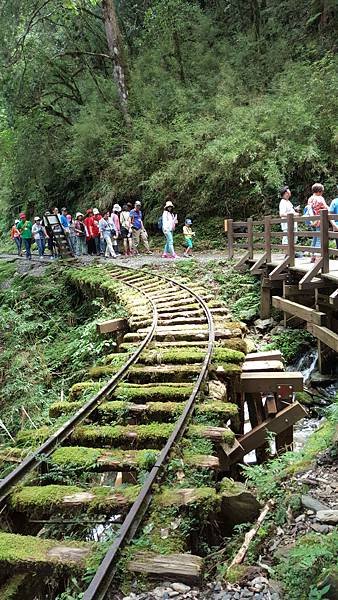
(315, 204)
(108, 233)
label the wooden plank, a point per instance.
(242, 261)
(297, 310)
(277, 272)
(172, 567)
(310, 274)
(282, 421)
(334, 298)
(262, 365)
(113, 325)
(270, 406)
(269, 381)
(324, 240)
(325, 335)
(268, 355)
(256, 268)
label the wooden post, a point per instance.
(265, 303)
(324, 240)
(230, 238)
(257, 416)
(250, 237)
(291, 238)
(267, 238)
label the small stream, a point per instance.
(324, 394)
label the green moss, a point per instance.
(235, 573)
(23, 551)
(189, 355)
(78, 389)
(160, 409)
(230, 487)
(63, 408)
(226, 410)
(199, 430)
(292, 343)
(40, 498)
(33, 437)
(229, 370)
(304, 398)
(102, 372)
(175, 497)
(155, 433)
(75, 457)
(145, 393)
(234, 344)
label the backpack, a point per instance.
(308, 212)
(160, 223)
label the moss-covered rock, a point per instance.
(78, 389)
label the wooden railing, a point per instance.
(255, 236)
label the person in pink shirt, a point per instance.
(316, 203)
(114, 220)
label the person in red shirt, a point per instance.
(88, 221)
(99, 242)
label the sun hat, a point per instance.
(117, 207)
(138, 203)
(79, 214)
(96, 211)
(37, 219)
(168, 204)
(188, 221)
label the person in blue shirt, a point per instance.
(333, 209)
(137, 228)
(64, 221)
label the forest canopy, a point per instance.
(211, 104)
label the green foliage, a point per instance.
(241, 293)
(306, 563)
(292, 343)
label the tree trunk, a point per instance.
(178, 55)
(115, 46)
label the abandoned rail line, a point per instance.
(191, 360)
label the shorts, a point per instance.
(125, 233)
(188, 243)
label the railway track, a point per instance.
(137, 417)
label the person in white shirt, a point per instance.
(169, 222)
(286, 208)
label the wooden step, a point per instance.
(179, 567)
(151, 374)
(267, 381)
(262, 365)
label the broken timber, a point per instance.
(181, 567)
(269, 381)
(113, 325)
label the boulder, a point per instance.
(327, 516)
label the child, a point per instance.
(16, 237)
(188, 235)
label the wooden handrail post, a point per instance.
(324, 239)
(230, 238)
(250, 237)
(267, 238)
(291, 238)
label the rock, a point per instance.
(312, 503)
(327, 516)
(300, 518)
(332, 580)
(317, 379)
(165, 596)
(237, 596)
(173, 594)
(277, 329)
(217, 587)
(180, 587)
(320, 528)
(217, 390)
(250, 345)
(263, 324)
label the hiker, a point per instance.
(138, 230)
(16, 236)
(39, 234)
(80, 235)
(169, 221)
(286, 208)
(72, 236)
(334, 211)
(316, 203)
(25, 228)
(106, 232)
(99, 242)
(188, 235)
(126, 230)
(114, 221)
(64, 220)
(88, 221)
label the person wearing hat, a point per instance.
(137, 227)
(39, 234)
(286, 208)
(16, 236)
(99, 242)
(80, 235)
(114, 221)
(188, 235)
(126, 230)
(25, 228)
(169, 222)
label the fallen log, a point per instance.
(239, 557)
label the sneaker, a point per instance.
(164, 255)
(173, 256)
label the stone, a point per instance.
(263, 324)
(320, 528)
(180, 587)
(300, 518)
(165, 596)
(173, 594)
(327, 516)
(217, 587)
(312, 503)
(317, 379)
